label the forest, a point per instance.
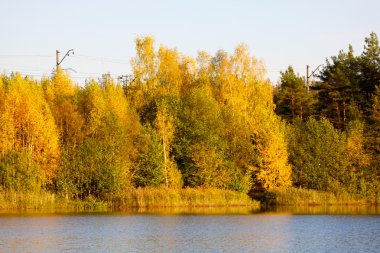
(210, 122)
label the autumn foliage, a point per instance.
(182, 122)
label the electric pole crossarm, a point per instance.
(312, 74)
(58, 62)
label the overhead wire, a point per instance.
(103, 59)
(26, 55)
(39, 72)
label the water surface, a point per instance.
(186, 232)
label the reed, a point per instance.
(189, 197)
(133, 198)
(306, 197)
(44, 200)
(26, 200)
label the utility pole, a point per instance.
(127, 79)
(58, 62)
(57, 58)
(307, 78)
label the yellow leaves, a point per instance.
(227, 130)
(62, 83)
(97, 107)
(29, 124)
(174, 175)
(60, 94)
(69, 122)
(7, 132)
(144, 65)
(117, 102)
(164, 124)
(107, 103)
(355, 146)
(274, 171)
(207, 161)
(169, 72)
(165, 129)
(188, 66)
(2, 93)
(203, 62)
(258, 69)
(241, 63)
(6, 122)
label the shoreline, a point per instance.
(146, 199)
(131, 199)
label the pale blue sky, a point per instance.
(102, 33)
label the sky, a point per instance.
(102, 33)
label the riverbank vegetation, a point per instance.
(133, 199)
(333, 129)
(184, 131)
(306, 197)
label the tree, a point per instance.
(357, 174)
(199, 147)
(29, 131)
(291, 97)
(372, 134)
(317, 154)
(169, 72)
(268, 134)
(144, 67)
(348, 83)
(338, 88)
(7, 127)
(369, 74)
(102, 163)
(62, 97)
(150, 170)
(165, 129)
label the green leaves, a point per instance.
(150, 169)
(179, 121)
(291, 97)
(348, 79)
(325, 158)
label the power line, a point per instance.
(28, 68)
(30, 55)
(79, 76)
(24, 74)
(103, 59)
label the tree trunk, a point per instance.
(166, 171)
(338, 114)
(344, 114)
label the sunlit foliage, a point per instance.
(182, 122)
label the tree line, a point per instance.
(178, 122)
(333, 128)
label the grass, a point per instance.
(306, 197)
(132, 199)
(189, 197)
(184, 199)
(44, 200)
(26, 200)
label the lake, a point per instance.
(205, 230)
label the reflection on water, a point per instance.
(238, 210)
(336, 209)
(166, 230)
